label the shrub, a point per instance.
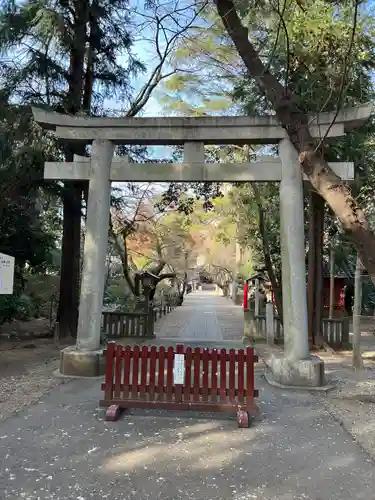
(25, 308)
(8, 308)
(16, 307)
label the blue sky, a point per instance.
(145, 51)
(144, 47)
(152, 107)
(175, 16)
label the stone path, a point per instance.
(62, 449)
(203, 316)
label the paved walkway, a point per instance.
(62, 449)
(203, 316)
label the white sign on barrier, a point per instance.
(6, 274)
(179, 369)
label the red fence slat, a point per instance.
(188, 363)
(205, 360)
(144, 362)
(153, 355)
(241, 376)
(197, 366)
(127, 363)
(232, 375)
(214, 375)
(118, 371)
(135, 372)
(170, 357)
(160, 386)
(223, 376)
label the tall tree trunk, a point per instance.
(357, 356)
(67, 316)
(331, 282)
(70, 272)
(91, 57)
(72, 199)
(336, 193)
(315, 301)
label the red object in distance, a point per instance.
(245, 292)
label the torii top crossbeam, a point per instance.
(178, 130)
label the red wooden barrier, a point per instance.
(209, 380)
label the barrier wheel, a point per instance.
(243, 419)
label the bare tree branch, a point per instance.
(335, 192)
(119, 241)
(167, 38)
(280, 13)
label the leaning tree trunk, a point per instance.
(295, 122)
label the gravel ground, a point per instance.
(26, 368)
(352, 402)
(357, 418)
(19, 391)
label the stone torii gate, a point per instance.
(296, 367)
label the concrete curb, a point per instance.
(57, 374)
(271, 381)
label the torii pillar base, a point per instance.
(75, 363)
(306, 373)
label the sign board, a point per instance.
(6, 274)
(179, 369)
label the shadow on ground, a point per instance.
(61, 448)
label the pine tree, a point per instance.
(64, 55)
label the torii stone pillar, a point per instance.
(296, 366)
(85, 357)
(292, 239)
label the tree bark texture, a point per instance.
(70, 261)
(315, 269)
(357, 355)
(331, 282)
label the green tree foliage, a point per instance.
(46, 45)
(308, 50)
(73, 57)
(65, 55)
(23, 152)
(24, 231)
